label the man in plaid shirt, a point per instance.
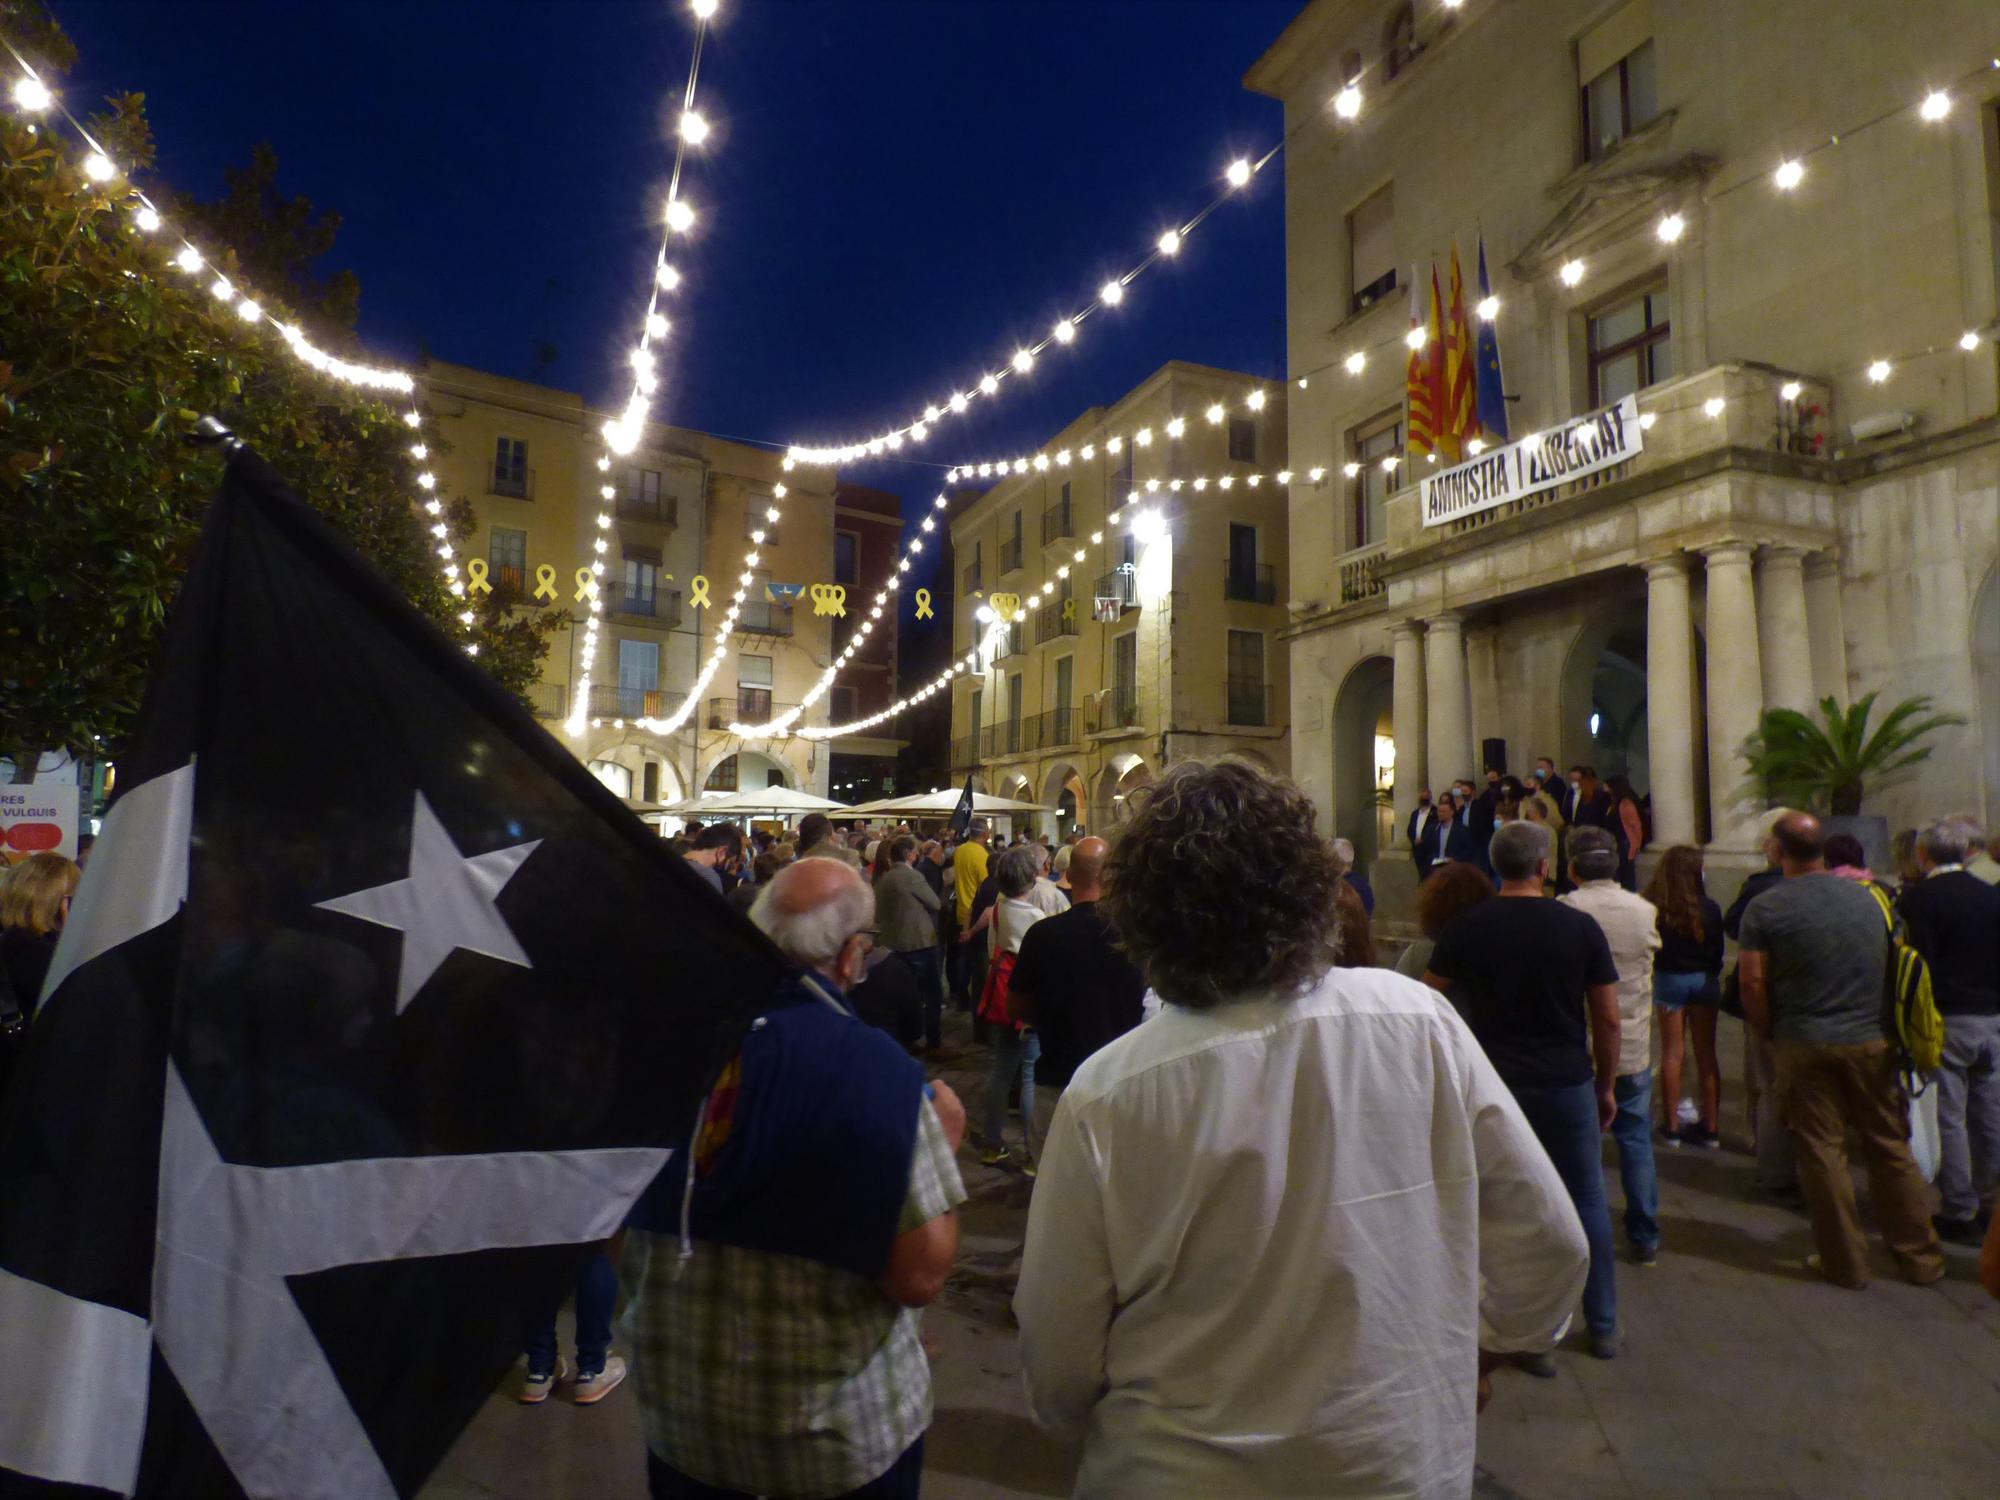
(775, 1316)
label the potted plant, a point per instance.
(1823, 766)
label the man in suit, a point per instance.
(1420, 822)
(1446, 838)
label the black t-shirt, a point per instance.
(1954, 921)
(1084, 991)
(1518, 968)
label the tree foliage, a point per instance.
(108, 355)
(1824, 766)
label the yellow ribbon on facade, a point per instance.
(475, 572)
(586, 585)
(545, 583)
(1006, 606)
(924, 610)
(1069, 612)
(698, 594)
(829, 599)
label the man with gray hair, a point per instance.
(780, 1260)
(1979, 861)
(1343, 850)
(1535, 981)
(1954, 921)
(1631, 926)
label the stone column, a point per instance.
(1784, 647)
(1444, 678)
(1407, 711)
(1735, 691)
(1482, 666)
(1670, 699)
(1824, 626)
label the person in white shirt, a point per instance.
(1631, 927)
(1284, 1228)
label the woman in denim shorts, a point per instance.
(1686, 984)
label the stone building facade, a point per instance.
(1799, 520)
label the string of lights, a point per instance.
(33, 97)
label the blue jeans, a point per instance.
(1564, 1120)
(1632, 1129)
(1012, 1050)
(596, 1294)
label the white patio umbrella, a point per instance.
(769, 801)
(942, 804)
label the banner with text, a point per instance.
(36, 819)
(1566, 452)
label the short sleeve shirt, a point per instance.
(1827, 952)
(1519, 968)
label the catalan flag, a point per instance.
(1490, 400)
(1422, 390)
(1458, 421)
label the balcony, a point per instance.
(1053, 728)
(1057, 524)
(761, 617)
(1010, 556)
(610, 702)
(1012, 642)
(518, 484)
(1361, 573)
(656, 510)
(548, 700)
(972, 580)
(662, 606)
(1121, 584)
(1256, 584)
(965, 753)
(508, 580)
(748, 705)
(1251, 705)
(1049, 621)
(1112, 709)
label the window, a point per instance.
(843, 704)
(650, 781)
(1399, 41)
(1128, 551)
(1125, 679)
(614, 776)
(638, 667)
(723, 777)
(507, 555)
(1243, 439)
(753, 688)
(1243, 579)
(639, 495)
(1013, 712)
(1377, 447)
(1246, 677)
(1063, 729)
(1371, 249)
(1630, 346)
(753, 671)
(1616, 72)
(510, 467)
(847, 558)
(978, 704)
(1010, 547)
(641, 580)
(1121, 482)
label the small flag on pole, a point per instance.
(1420, 392)
(1492, 390)
(374, 1010)
(1460, 422)
(961, 815)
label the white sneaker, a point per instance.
(591, 1389)
(535, 1388)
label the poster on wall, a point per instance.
(37, 819)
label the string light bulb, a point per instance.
(189, 259)
(1791, 390)
(680, 217)
(1788, 176)
(1416, 338)
(1968, 341)
(249, 311)
(694, 127)
(667, 277)
(1355, 364)
(1878, 371)
(1215, 414)
(1570, 273)
(1936, 105)
(147, 219)
(1255, 400)
(1170, 242)
(1063, 333)
(32, 95)
(1488, 308)
(1713, 406)
(705, 9)
(1111, 293)
(1024, 360)
(1347, 103)
(1239, 172)
(1671, 228)
(97, 167)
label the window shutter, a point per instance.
(1371, 229)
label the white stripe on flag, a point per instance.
(138, 873)
(73, 1380)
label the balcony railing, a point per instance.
(508, 579)
(1121, 584)
(611, 702)
(1115, 707)
(1361, 573)
(657, 509)
(746, 706)
(518, 483)
(549, 700)
(972, 583)
(1251, 705)
(1010, 556)
(1050, 623)
(761, 617)
(1057, 523)
(1012, 641)
(662, 605)
(965, 752)
(1256, 584)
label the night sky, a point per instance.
(896, 192)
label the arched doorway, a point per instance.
(1063, 789)
(746, 771)
(1364, 757)
(1124, 775)
(1986, 679)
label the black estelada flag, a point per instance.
(373, 1008)
(961, 815)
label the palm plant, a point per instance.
(1803, 763)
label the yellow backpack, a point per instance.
(1915, 1026)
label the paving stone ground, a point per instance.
(1743, 1376)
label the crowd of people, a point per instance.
(1298, 1199)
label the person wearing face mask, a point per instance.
(1420, 823)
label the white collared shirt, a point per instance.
(1268, 1239)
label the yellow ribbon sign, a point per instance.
(586, 585)
(1005, 606)
(545, 583)
(1069, 612)
(476, 572)
(829, 599)
(698, 594)
(924, 610)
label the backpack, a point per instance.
(1914, 1025)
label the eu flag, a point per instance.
(1490, 399)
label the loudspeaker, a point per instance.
(1493, 756)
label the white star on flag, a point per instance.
(445, 902)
